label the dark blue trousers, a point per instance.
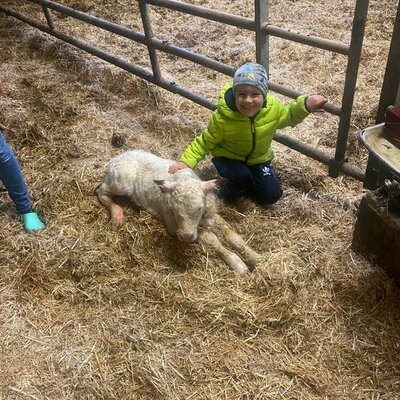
(11, 176)
(258, 182)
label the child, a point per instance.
(240, 132)
(12, 178)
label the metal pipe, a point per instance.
(353, 171)
(191, 56)
(288, 92)
(303, 148)
(48, 17)
(317, 155)
(95, 21)
(325, 44)
(213, 15)
(144, 12)
(261, 8)
(357, 35)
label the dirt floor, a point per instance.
(91, 313)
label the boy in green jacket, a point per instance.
(240, 132)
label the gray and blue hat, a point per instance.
(252, 74)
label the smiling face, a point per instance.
(248, 100)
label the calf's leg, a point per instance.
(233, 239)
(105, 198)
(210, 240)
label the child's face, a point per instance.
(248, 100)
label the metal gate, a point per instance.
(263, 30)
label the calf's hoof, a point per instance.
(237, 264)
(253, 261)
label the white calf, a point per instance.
(185, 204)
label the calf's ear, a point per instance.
(211, 185)
(165, 186)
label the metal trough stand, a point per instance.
(377, 230)
(384, 155)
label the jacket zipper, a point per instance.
(253, 136)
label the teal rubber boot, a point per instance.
(32, 222)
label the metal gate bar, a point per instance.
(262, 37)
(48, 17)
(357, 36)
(149, 36)
(153, 43)
(294, 36)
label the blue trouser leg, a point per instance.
(12, 178)
(266, 189)
(258, 182)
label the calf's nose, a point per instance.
(187, 237)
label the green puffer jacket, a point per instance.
(230, 134)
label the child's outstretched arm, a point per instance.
(315, 102)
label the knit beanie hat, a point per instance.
(252, 74)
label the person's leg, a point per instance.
(238, 177)
(13, 180)
(11, 175)
(266, 189)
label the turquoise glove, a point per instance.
(32, 222)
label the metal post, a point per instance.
(390, 94)
(372, 178)
(144, 12)
(357, 36)
(262, 37)
(48, 17)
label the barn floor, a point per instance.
(91, 313)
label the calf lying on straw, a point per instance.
(184, 203)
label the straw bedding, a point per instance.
(91, 313)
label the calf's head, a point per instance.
(187, 200)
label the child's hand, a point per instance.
(177, 167)
(315, 102)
